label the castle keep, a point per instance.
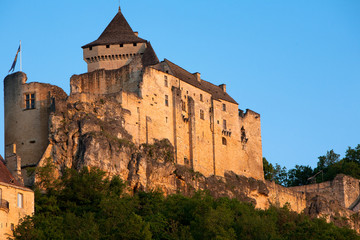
(159, 100)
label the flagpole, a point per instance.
(20, 57)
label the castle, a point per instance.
(210, 134)
(129, 100)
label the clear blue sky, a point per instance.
(297, 63)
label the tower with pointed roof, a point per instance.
(116, 46)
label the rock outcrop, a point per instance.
(92, 134)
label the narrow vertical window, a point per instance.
(30, 101)
(202, 114)
(224, 107)
(183, 105)
(201, 97)
(20, 199)
(224, 124)
(166, 100)
(165, 81)
(224, 142)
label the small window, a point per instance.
(166, 119)
(166, 100)
(201, 97)
(224, 142)
(165, 81)
(183, 105)
(20, 199)
(224, 107)
(12, 227)
(202, 114)
(121, 45)
(224, 124)
(135, 44)
(30, 101)
(107, 46)
(90, 48)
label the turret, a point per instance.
(115, 47)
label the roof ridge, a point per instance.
(215, 90)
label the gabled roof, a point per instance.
(117, 32)
(5, 175)
(149, 57)
(215, 91)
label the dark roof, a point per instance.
(215, 91)
(149, 57)
(117, 32)
(5, 175)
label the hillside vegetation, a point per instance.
(328, 166)
(88, 205)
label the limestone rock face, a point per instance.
(320, 206)
(91, 134)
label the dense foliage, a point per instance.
(87, 205)
(327, 168)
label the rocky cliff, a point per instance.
(91, 134)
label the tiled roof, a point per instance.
(215, 91)
(149, 57)
(117, 32)
(5, 175)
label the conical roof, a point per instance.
(117, 32)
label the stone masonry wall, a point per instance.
(9, 217)
(343, 188)
(26, 130)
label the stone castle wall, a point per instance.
(163, 106)
(344, 189)
(26, 128)
(280, 196)
(112, 56)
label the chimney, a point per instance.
(136, 34)
(223, 87)
(198, 76)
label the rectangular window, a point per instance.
(90, 48)
(165, 81)
(224, 124)
(20, 199)
(202, 114)
(135, 44)
(183, 105)
(166, 100)
(224, 107)
(201, 97)
(121, 45)
(30, 101)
